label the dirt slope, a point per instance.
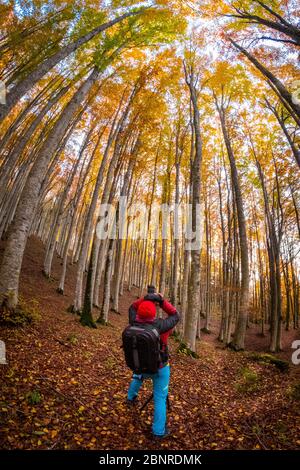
(65, 386)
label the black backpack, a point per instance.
(141, 344)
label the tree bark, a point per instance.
(238, 342)
(193, 311)
(27, 83)
(284, 93)
(14, 250)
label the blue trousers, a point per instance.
(160, 391)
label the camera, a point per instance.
(152, 295)
(151, 290)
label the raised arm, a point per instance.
(172, 320)
(133, 310)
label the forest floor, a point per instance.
(64, 386)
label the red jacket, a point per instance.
(164, 326)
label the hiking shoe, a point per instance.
(162, 436)
(131, 403)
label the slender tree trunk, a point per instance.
(14, 250)
(119, 258)
(281, 25)
(240, 329)
(193, 312)
(17, 150)
(87, 230)
(61, 208)
(281, 121)
(28, 82)
(174, 291)
(284, 93)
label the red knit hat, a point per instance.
(146, 310)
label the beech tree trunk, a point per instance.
(13, 254)
(238, 342)
(284, 93)
(27, 83)
(193, 312)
